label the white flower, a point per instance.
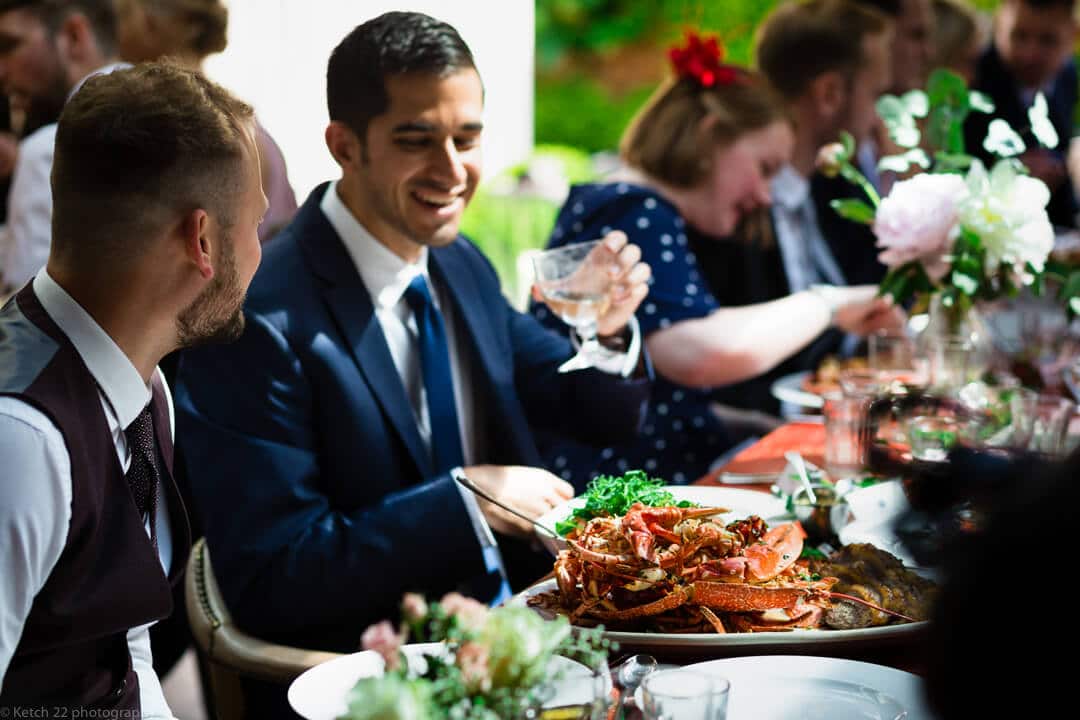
(918, 221)
(1007, 211)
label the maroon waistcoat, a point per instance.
(73, 650)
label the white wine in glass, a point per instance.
(575, 281)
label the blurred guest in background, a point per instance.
(1032, 52)
(911, 48)
(157, 201)
(187, 31)
(47, 50)
(960, 36)
(701, 154)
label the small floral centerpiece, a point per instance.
(495, 663)
(955, 230)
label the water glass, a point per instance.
(684, 695)
(893, 354)
(844, 418)
(576, 282)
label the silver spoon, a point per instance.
(800, 467)
(476, 490)
(631, 674)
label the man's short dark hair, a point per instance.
(101, 15)
(135, 149)
(395, 43)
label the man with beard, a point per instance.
(47, 50)
(158, 200)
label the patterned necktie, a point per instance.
(143, 474)
(438, 382)
(446, 453)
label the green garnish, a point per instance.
(608, 495)
(812, 553)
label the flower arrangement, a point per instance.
(954, 229)
(495, 665)
(702, 59)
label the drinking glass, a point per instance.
(893, 355)
(575, 281)
(844, 416)
(684, 695)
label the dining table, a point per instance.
(756, 468)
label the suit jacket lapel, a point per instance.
(450, 267)
(352, 310)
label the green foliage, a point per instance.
(504, 224)
(580, 113)
(855, 210)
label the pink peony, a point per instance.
(472, 660)
(918, 221)
(470, 613)
(383, 639)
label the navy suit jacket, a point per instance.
(319, 500)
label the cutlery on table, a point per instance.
(476, 490)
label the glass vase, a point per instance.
(956, 344)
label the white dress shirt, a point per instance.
(386, 277)
(24, 242)
(806, 256)
(35, 516)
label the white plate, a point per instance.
(702, 643)
(787, 687)
(789, 389)
(740, 502)
(319, 693)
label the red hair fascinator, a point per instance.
(702, 59)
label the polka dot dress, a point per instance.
(680, 436)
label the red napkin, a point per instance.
(767, 454)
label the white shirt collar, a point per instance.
(385, 274)
(117, 378)
(103, 70)
(789, 189)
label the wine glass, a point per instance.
(575, 281)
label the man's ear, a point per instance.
(75, 40)
(344, 144)
(829, 93)
(198, 247)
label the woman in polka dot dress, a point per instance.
(699, 156)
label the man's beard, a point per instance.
(217, 314)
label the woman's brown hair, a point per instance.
(670, 138)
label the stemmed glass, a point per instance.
(575, 281)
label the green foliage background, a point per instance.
(573, 37)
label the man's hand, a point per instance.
(629, 281)
(530, 491)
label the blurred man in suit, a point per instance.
(1032, 52)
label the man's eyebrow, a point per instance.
(418, 126)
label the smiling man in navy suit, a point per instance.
(380, 355)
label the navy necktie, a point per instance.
(446, 453)
(438, 382)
